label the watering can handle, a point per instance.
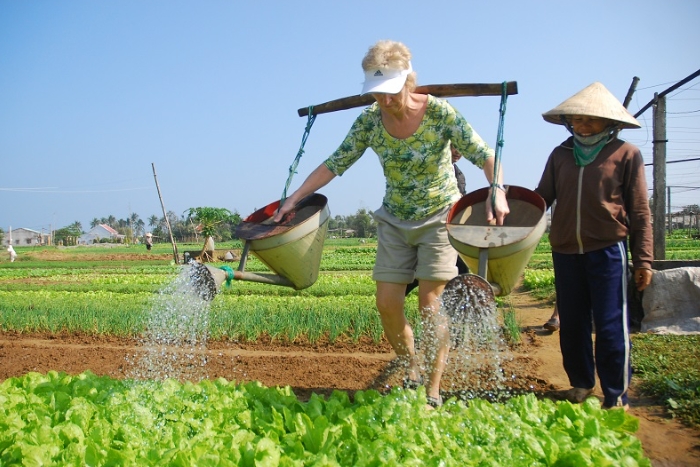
(494, 188)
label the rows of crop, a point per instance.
(57, 419)
(234, 316)
(81, 420)
(288, 318)
(115, 299)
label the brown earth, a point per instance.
(324, 367)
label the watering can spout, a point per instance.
(207, 280)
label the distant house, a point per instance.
(26, 237)
(97, 233)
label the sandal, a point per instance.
(552, 325)
(434, 402)
(413, 384)
(577, 395)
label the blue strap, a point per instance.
(499, 141)
(293, 167)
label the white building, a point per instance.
(26, 237)
(99, 232)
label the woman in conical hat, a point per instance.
(598, 183)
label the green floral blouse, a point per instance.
(420, 178)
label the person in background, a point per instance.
(149, 241)
(598, 183)
(411, 135)
(461, 180)
(12, 252)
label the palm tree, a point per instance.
(94, 222)
(140, 227)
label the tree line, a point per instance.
(201, 222)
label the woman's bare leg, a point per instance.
(390, 303)
(436, 333)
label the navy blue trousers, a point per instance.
(593, 287)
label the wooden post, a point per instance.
(668, 210)
(630, 91)
(659, 151)
(165, 216)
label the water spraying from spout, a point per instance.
(175, 341)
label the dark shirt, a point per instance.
(461, 181)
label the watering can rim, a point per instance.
(481, 194)
(252, 227)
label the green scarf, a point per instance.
(587, 148)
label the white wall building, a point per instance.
(26, 237)
(99, 232)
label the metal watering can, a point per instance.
(291, 249)
(499, 253)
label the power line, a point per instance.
(672, 88)
(673, 162)
(40, 190)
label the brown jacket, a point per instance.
(600, 204)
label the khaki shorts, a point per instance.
(413, 249)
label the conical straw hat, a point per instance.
(594, 101)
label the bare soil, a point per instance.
(323, 367)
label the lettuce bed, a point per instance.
(59, 419)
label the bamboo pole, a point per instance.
(165, 216)
(437, 90)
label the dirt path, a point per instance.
(322, 368)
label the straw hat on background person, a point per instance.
(594, 101)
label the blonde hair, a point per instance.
(390, 55)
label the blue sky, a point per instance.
(93, 93)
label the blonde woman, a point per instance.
(411, 134)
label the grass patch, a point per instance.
(668, 370)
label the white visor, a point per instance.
(385, 81)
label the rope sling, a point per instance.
(499, 142)
(293, 168)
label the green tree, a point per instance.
(208, 219)
(362, 223)
(68, 235)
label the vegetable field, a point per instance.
(291, 377)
